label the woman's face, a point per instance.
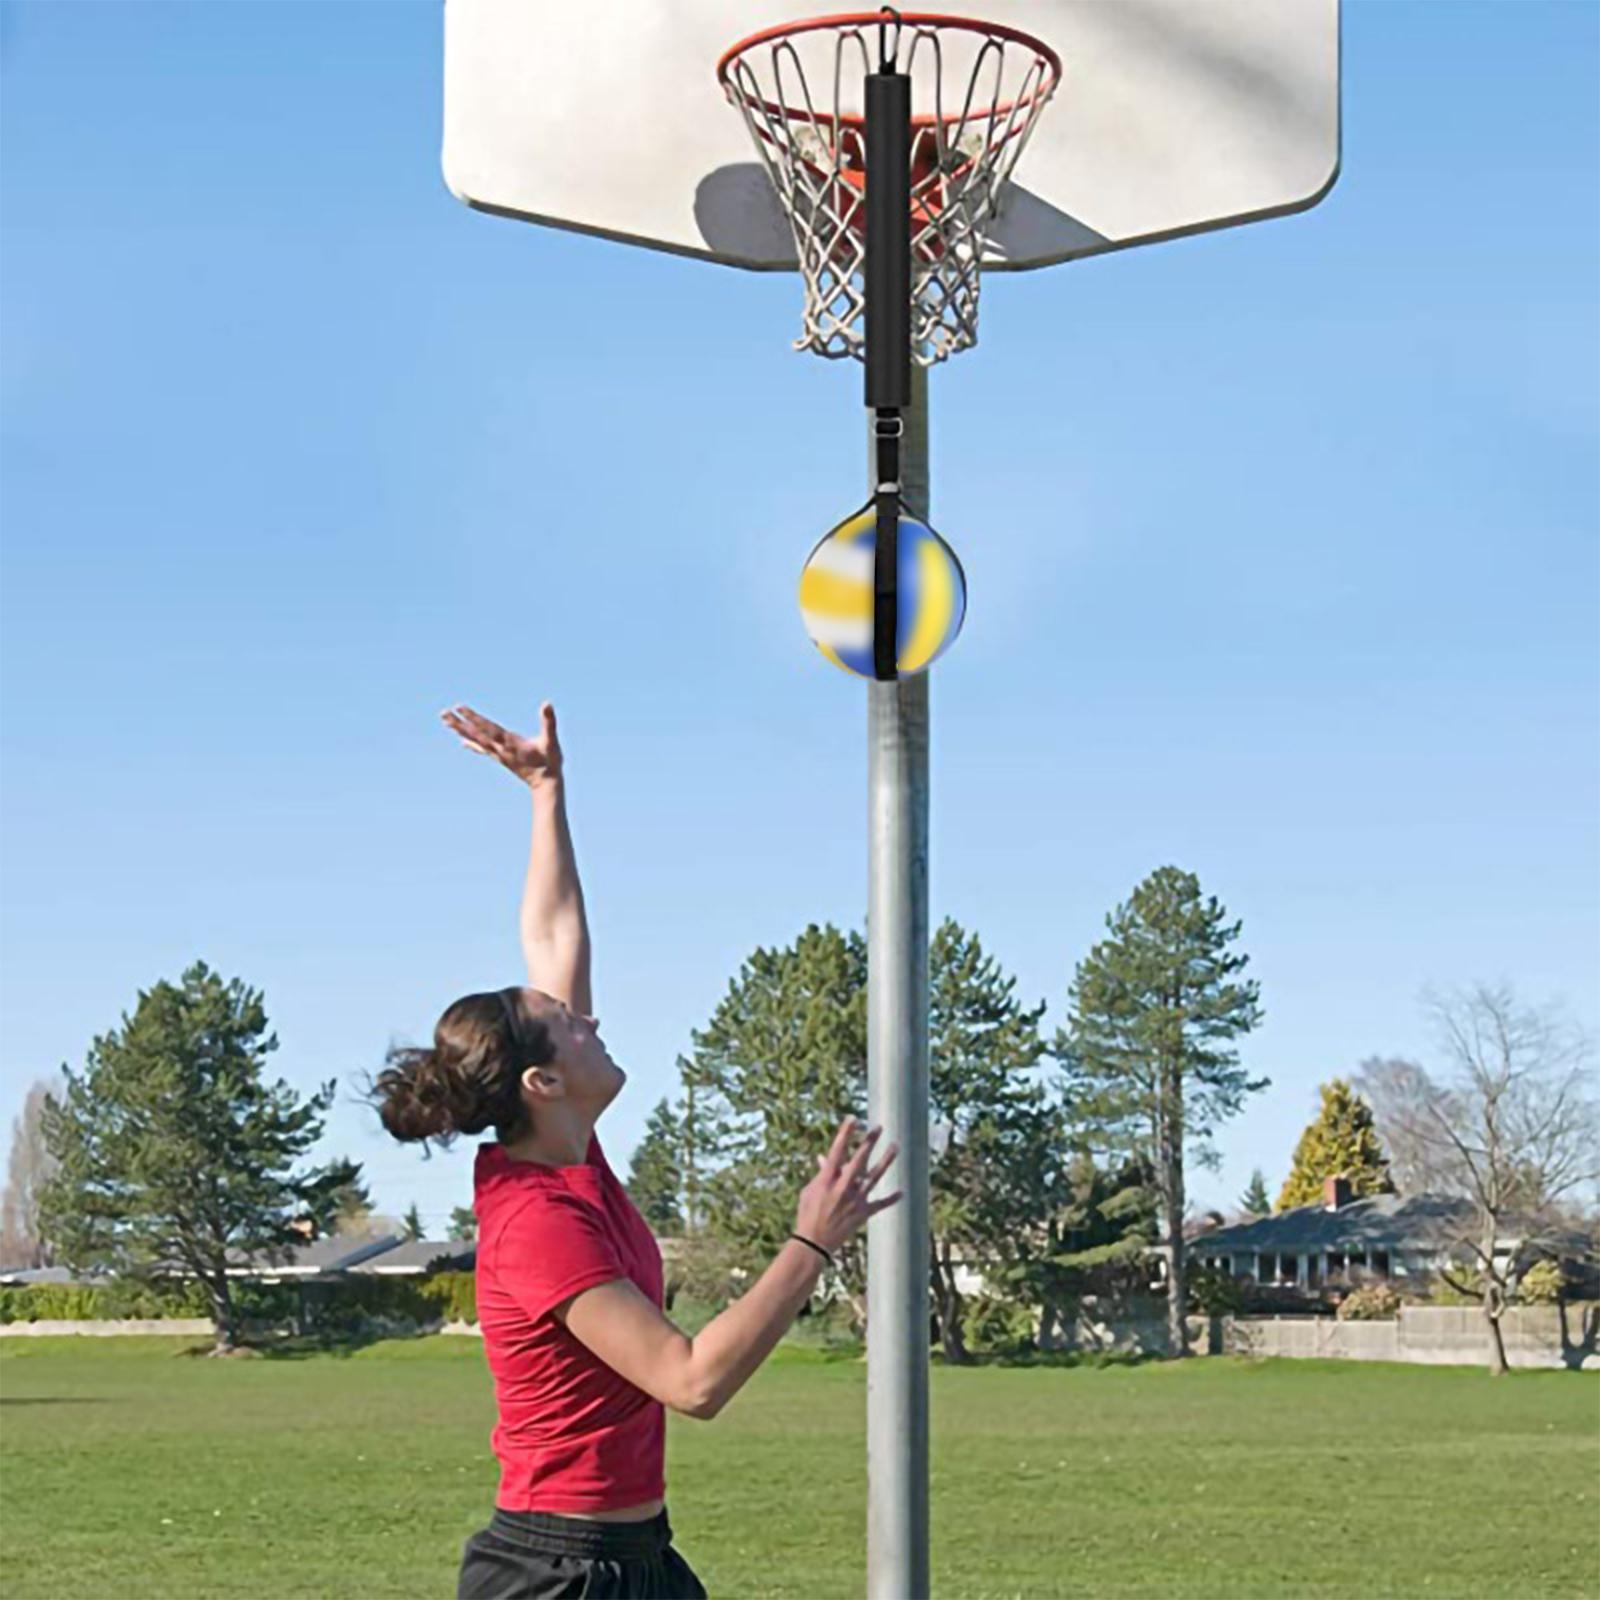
(593, 1079)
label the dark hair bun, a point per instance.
(414, 1098)
(470, 1080)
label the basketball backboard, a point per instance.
(1173, 117)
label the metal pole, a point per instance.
(897, 1096)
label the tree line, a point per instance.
(1062, 1158)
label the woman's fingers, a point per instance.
(882, 1167)
(840, 1141)
(883, 1204)
(459, 725)
(857, 1161)
(481, 728)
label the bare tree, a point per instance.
(1513, 1131)
(27, 1171)
(1400, 1093)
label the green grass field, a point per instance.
(130, 1469)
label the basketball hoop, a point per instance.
(799, 87)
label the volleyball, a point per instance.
(836, 595)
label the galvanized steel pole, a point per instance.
(897, 1096)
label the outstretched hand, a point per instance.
(532, 758)
(837, 1202)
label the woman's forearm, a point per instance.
(555, 930)
(726, 1352)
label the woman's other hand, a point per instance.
(533, 759)
(835, 1205)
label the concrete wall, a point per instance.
(1535, 1336)
(186, 1326)
(1137, 1327)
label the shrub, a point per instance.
(1000, 1327)
(453, 1294)
(1469, 1293)
(349, 1305)
(1375, 1302)
(1213, 1293)
(1541, 1284)
(102, 1302)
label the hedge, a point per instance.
(102, 1302)
(349, 1302)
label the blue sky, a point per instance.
(1282, 546)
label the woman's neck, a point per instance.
(553, 1146)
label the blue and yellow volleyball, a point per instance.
(836, 595)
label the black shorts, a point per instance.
(536, 1555)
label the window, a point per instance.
(1289, 1269)
(1336, 1263)
(1380, 1263)
(1267, 1272)
(1313, 1270)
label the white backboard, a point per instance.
(1173, 116)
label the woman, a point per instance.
(569, 1276)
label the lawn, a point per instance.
(132, 1469)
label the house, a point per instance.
(1343, 1240)
(414, 1258)
(24, 1277)
(316, 1261)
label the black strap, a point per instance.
(888, 427)
(886, 589)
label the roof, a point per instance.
(1384, 1221)
(308, 1260)
(418, 1255)
(21, 1277)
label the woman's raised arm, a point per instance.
(555, 930)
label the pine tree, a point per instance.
(463, 1223)
(655, 1179)
(1106, 1228)
(782, 1059)
(411, 1223)
(1255, 1202)
(999, 1176)
(1342, 1142)
(173, 1148)
(1148, 1050)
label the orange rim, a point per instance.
(911, 19)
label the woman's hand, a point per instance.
(834, 1205)
(534, 760)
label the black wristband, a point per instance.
(815, 1246)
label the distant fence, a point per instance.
(1535, 1336)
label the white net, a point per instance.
(976, 93)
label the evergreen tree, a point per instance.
(411, 1223)
(463, 1223)
(782, 1059)
(173, 1149)
(1148, 1050)
(1342, 1142)
(655, 1179)
(999, 1176)
(1104, 1231)
(1254, 1202)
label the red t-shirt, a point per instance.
(573, 1435)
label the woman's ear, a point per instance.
(544, 1083)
